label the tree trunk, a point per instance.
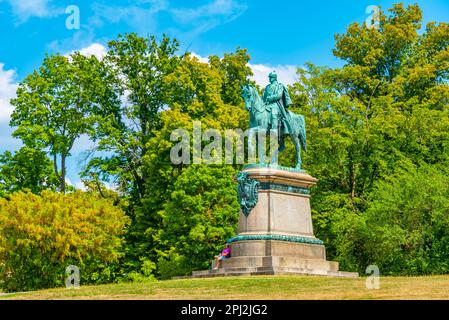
(353, 180)
(62, 173)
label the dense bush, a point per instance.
(40, 235)
(405, 230)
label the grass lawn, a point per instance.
(257, 287)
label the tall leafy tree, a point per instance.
(138, 67)
(387, 105)
(201, 214)
(234, 71)
(201, 229)
(55, 105)
(163, 91)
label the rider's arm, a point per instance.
(276, 95)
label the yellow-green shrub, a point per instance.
(40, 235)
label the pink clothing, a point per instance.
(226, 252)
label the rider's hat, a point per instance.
(273, 74)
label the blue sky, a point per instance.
(279, 35)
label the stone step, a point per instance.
(270, 271)
(280, 262)
(223, 270)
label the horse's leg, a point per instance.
(298, 150)
(282, 133)
(252, 143)
(262, 122)
(255, 137)
(261, 137)
(274, 146)
(281, 142)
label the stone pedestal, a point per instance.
(275, 236)
(283, 206)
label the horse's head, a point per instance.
(245, 92)
(248, 96)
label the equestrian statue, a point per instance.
(269, 114)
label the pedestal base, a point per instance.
(275, 234)
(268, 257)
(261, 248)
(261, 271)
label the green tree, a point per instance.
(201, 214)
(27, 168)
(137, 68)
(55, 105)
(201, 97)
(235, 71)
(164, 91)
(387, 105)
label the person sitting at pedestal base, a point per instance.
(225, 254)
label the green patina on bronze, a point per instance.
(270, 115)
(247, 192)
(277, 237)
(271, 166)
(283, 188)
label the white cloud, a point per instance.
(203, 18)
(79, 185)
(95, 49)
(228, 9)
(142, 18)
(68, 181)
(143, 15)
(25, 9)
(286, 73)
(200, 58)
(82, 38)
(8, 88)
